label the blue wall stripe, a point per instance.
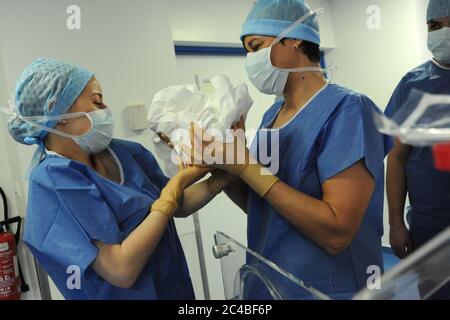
(185, 50)
(209, 51)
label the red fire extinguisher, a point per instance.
(9, 267)
(442, 157)
(12, 282)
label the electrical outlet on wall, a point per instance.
(137, 117)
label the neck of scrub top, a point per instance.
(441, 65)
(300, 88)
(114, 157)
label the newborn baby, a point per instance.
(176, 107)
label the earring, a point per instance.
(63, 122)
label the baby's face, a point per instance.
(165, 138)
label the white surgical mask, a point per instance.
(439, 44)
(97, 139)
(101, 133)
(264, 75)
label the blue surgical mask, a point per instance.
(264, 75)
(439, 44)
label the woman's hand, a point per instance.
(172, 194)
(206, 151)
(232, 157)
(220, 179)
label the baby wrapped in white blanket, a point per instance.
(176, 107)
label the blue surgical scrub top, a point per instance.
(330, 134)
(70, 205)
(428, 188)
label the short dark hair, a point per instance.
(309, 49)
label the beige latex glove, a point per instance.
(253, 174)
(168, 202)
(169, 198)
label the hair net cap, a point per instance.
(438, 9)
(47, 87)
(272, 17)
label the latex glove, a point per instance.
(243, 165)
(168, 202)
(400, 240)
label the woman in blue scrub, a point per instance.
(99, 217)
(411, 170)
(320, 216)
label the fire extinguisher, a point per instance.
(12, 283)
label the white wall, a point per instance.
(211, 21)
(422, 31)
(128, 44)
(374, 61)
(216, 21)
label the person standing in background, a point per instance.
(411, 170)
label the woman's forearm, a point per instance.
(197, 196)
(194, 198)
(122, 264)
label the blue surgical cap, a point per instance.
(438, 9)
(47, 87)
(272, 17)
